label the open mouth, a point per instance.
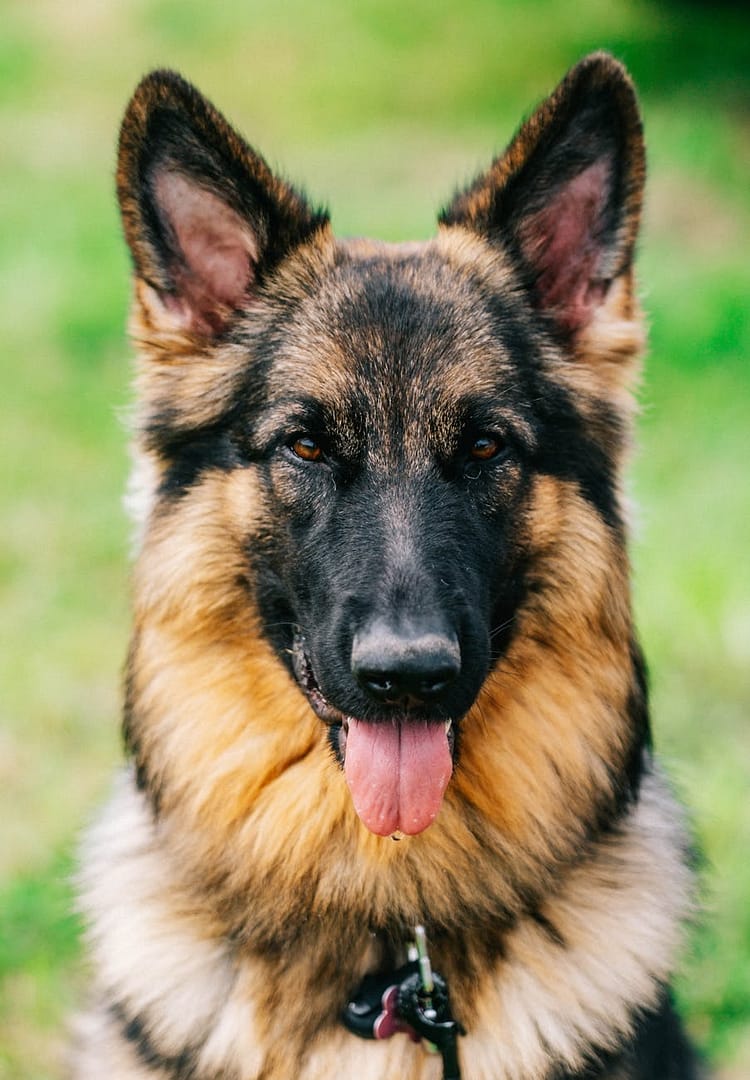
(397, 768)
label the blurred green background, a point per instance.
(380, 109)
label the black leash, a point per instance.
(412, 1000)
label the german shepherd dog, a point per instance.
(382, 593)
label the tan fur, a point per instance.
(618, 914)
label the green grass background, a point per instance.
(380, 109)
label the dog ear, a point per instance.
(204, 216)
(565, 197)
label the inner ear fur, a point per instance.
(565, 197)
(205, 218)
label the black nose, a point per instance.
(405, 664)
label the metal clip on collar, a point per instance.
(412, 1000)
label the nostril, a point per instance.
(431, 687)
(375, 682)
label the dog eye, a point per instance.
(306, 448)
(485, 448)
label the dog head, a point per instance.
(374, 450)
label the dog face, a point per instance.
(397, 461)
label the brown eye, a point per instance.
(484, 448)
(306, 448)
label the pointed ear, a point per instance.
(565, 197)
(204, 216)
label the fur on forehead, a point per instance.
(403, 315)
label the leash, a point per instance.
(412, 1000)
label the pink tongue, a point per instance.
(397, 774)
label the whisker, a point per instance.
(503, 626)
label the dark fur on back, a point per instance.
(382, 587)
